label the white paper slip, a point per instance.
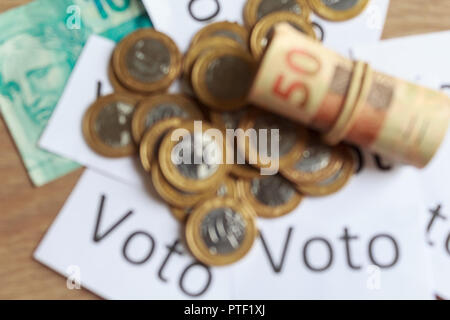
(120, 243)
(365, 242)
(64, 135)
(181, 19)
(411, 58)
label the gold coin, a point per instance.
(162, 106)
(255, 10)
(200, 48)
(334, 183)
(270, 196)
(147, 61)
(244, 171)
(226, 189)
(107, 125)
(223, 29)
(150, 142)
(263, 30)
(118, 87)
(191, 158)
(317, 162)
(292, 140)
(222, 78)
(338, 10)
(172, 195)
(221, 231)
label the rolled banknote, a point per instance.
(301, 79)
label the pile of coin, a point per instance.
(215, 195)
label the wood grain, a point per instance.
(27, 212)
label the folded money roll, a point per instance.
(346, 100)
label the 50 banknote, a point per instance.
(39, 46)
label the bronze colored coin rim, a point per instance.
(263, 27)
(127, 79)
(300, 178)
(346, 172)
(117, 86)
(91, 137)
(147, 149)
(193, 233)
(172, 174)
(170, 194)
(264, 211)
(147, 105)
(206, 33)
(182, 214)
(251, 12)
(327, 13)
(241, 171)
(199, 73)
(285, 161)
(202, 47)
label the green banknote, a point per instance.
(39, 46)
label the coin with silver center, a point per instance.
(270, 196)
(340, 5)
(228, 78)
(222, 78)
(221, 231)
(107, 125)
(189, 168)
(255, 10)
(269, 6)
(113, 124)
(161, 107)
(318, 162)
(335, 182)
(194, 161)
(147, 61)
(224, 29)
(338, 10)
(272, 191)
(264, 30)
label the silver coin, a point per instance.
(231, 35)
(229, 78)
(113, 124)
(223, 231)
(272, 191)
(164, 111)
(287, 134)
(269, 6)
(315, 158)
(148, 60)
(340, 5)
(198, 161)
(331, 179)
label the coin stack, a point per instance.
(216, 198)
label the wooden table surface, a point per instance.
(27, 212)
